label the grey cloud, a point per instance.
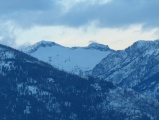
(7, 36)
(118, 13)
(16, 5)
(26, 13)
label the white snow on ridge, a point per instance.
(74, 60)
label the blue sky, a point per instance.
(117, 23)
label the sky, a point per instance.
(116, 23)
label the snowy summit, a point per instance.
(76, 60)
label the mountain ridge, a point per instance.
(44, 43)
(76, 60)
(135, 67)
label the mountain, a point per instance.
(129, 68)
(149, 87)
(76, 60)
(135, 67)
(34, 90)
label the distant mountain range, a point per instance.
(115, 85)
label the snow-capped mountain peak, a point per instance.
(144, 44)
(74, 60)
(37, 45)
(98, 46)
(46, 43)
(143, 47)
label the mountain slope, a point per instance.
(31, 89)
(149, 87)
(131, 66)
(75, 60)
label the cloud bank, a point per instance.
(75, 13)
(76, 22)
